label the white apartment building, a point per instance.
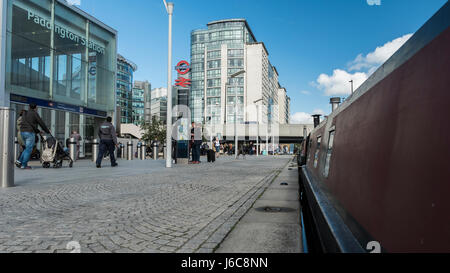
(225, 48)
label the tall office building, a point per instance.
(221, 50)
(125, 70)
(159, 104)
(283, 106)
(141, 102)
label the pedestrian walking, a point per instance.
(108, 142)
(217, 145)
(28, 130)
(196, 139)
(77, 138)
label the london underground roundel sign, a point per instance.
(183, 67)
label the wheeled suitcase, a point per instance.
(211, 156)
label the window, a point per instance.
(329, 153)
(213, 73)
(197, 76)
(235, 62)
(214, 54)
(213, 92)
(213, 82)
(316, 156)
(197, 58)
(197, 66)
(236, 81)
(238, 89)
(235, 52)
(214, 64)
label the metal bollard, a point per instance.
(95, 149)
(139, 147)
(155, 151)
(73, 148)
(130, 150)
(143, 150)
(164, 151)
(122, 151)
(7, 123)
(118, 152)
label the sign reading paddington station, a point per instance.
(183, 68)
(64, 33)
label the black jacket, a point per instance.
(30, 123)
(107, 132)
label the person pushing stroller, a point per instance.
(28, 125)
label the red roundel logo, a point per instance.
(183, 67)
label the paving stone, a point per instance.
(139, 207)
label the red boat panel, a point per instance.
(390, 167)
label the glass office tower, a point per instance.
(217, 53)
(138, 101)
(125, 70)
(62, 59)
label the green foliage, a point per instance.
(156, 130)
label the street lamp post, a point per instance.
(352, 85)
(211, 125)
(257, 118)
(169, 9)
(235, 115)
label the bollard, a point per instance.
(138, 150)
(73, 149)
(130, 150)
(164, 151)
(122, 151)
(155, 151)
(118, 152)
(143, 150)
(95, 149)
(7, 123)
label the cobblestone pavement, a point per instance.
(185, 209)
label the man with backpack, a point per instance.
(28, 130)
(108, 141)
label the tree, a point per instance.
(155, 130)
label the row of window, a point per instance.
(213, 82)
(236, 63)
(214, 54)
(124, 68)
(226, 25)
(329, 152)
(235, 52)
(217, 35)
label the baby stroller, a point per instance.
(53, 152)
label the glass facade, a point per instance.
(63, 60)
(125, 69)
(138, 106)
(207, 62)
(159, 109)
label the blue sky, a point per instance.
(314, 44)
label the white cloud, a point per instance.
(360, 69)
(305, 118)
(380, 55)
(339, 82)
(374, 2)
(301, 118)
(74, 2)
(304, 92)
(318, 112)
